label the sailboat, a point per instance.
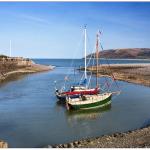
(90, 101)
(79, 89)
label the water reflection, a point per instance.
(91, 114)
(12, 77)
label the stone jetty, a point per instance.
(17, 65)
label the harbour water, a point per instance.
(31, 117)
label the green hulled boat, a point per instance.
(89, 101)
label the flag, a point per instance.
(66, 78)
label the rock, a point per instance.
(3, 144)
(118, 135)
(54, 146)
(129, 131)
(88, 140)
(65, 146)
(146, 129)
(76, 142)
(81, 146)
(70, 145)
(60, 145)
(57, 147)
(49, 146)
(121, 134)
(107, 138)
(115, 135)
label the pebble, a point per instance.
(65, 145)
(107, 138)
(49, 146)
(115, 135)
(70, 145)
(60, 145)
(3, 144)
(76, 142)
(138, 138)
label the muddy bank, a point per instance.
(132, 139)
(134, 73)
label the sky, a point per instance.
(55, 29)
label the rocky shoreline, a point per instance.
(139, 138)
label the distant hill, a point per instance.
(130, 53)
(3, 56)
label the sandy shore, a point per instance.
(25, 70)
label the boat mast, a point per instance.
(10, 48)
(97, 56)
(85, 73)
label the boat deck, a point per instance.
(87, 99)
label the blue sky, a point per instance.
(55, 29)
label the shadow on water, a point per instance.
(61, 102)
(87, 114)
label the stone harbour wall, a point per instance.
(19, 61)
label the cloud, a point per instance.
(33, 18)
(26, 17)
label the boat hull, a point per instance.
(75, 94)
(98, 104)
(63, 97)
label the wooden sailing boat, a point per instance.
(77, 90)
(90, 101)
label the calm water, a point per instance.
(80, 62)
(30, 116)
